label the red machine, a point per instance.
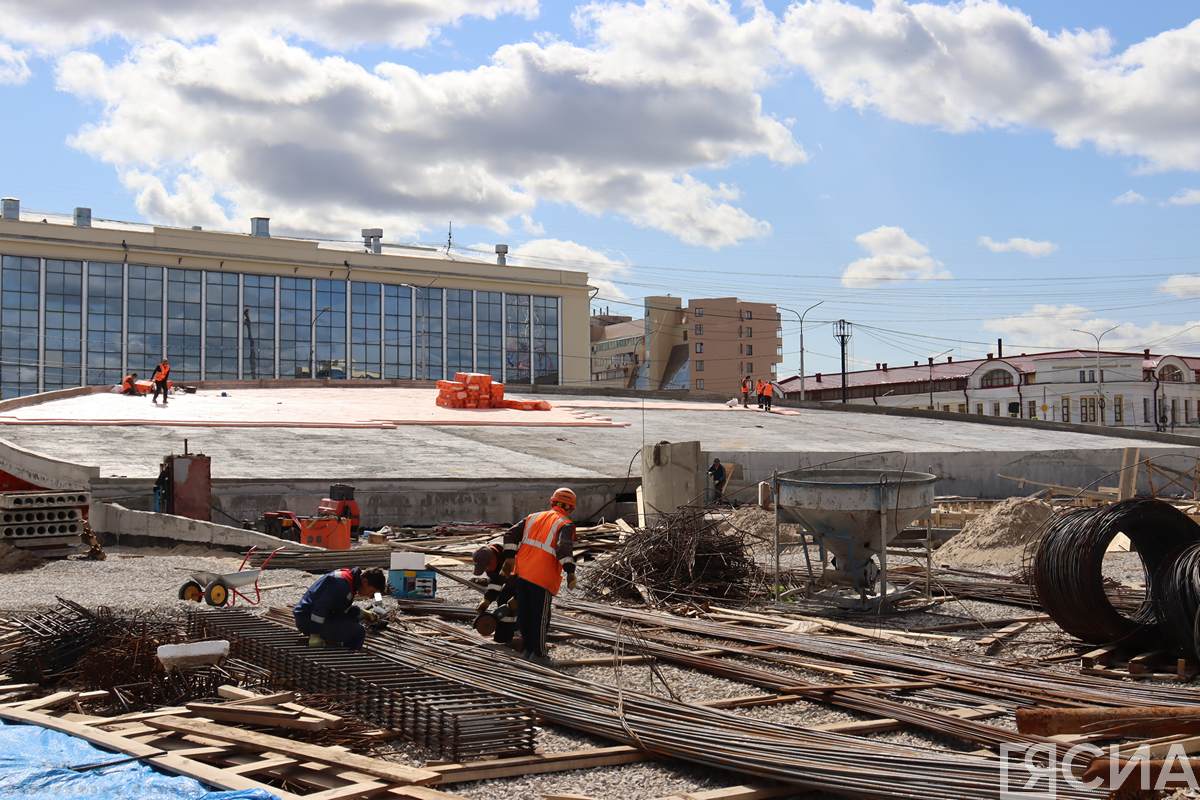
(330, 532)
(341, 503)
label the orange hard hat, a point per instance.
(564, 496)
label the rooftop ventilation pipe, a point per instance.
(885, 366)
(501, 255)
(999, 348)
(373, 240)
(83, 217)
(261, 227)
(11, 208)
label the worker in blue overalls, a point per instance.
(327, 612)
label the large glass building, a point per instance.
(83, 304)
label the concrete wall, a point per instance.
(116, 520)
(391, 502)
(969, 474)
(44, 471)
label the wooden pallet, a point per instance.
(1159, 665)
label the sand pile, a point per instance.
(751, 521)
(14, 559)
(999, 536)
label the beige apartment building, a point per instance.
(84, 301)
(709, 345)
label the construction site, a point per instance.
(802, 602)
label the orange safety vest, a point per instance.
(537, 557)
(746, 386)
(161, 372)
(768, 389)
(758, 388)
(126, 383)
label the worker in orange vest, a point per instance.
(129, 384)
(161, 373)
(758, 392)
(746, 391)
(767, 391)
(538, 550)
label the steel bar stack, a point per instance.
(50, 642)
(455, 721)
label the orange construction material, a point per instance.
(478, 390)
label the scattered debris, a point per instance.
(14, 559)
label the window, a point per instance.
(330, 328)
(20, 289)
(295, 327)
(63, 349)
(397, 331)
(1119, 410)
(749, 333)
(1083, 376)
(747, 314)
(489, 331)
(258, 326)
(749, 349)
(428, 321)
(699, 312)
(995, 409)
(1091, 376)
(1066, 409)
(545, 340)
(104, 322)
(996, 377)
(1146, 409)
(699, 347)
(979, 409)
(1170, 374)
(1174, 411)
(749, 367)
(698, 329)
(221, 325)
(366, 332)
(184, 313)
(1033, 409)
(516, 341)
(460, 339)
(699, 366)
(699, 383)
(962, 408)
(1187, 410)
(1014, 409)
(144, 320)
(1087, 409)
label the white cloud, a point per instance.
(1181, 285)
(610, 126)
(562, 254)
(1029, 247)
(58, 25)
(981, 64)
(532, 226)
(13, 66)
(1051, 327)
(1129, 198)
(1185, 197)
(894, 255)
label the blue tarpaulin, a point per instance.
(36, 763)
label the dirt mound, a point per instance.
(14, 559)
(999, 536)
(752, 521)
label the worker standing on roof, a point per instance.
(327, 612)
(537, 551)
(758, 392)
(500, 624)
(767, 391)
(129, 384)
(161, 373)
(717, 473)
(746, 391)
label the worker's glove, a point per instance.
(507, 568)
(369, 617)
(483, 606)
(315, 640)
(571, 581)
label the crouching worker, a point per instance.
(501, 623)
(327, 612)
(129, 384)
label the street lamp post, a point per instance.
(312, 342)
(931, 359)
(801, 318)
(1099, 372)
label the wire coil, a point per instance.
(1176, 598)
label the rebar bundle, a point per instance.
(1068, 575)
(1176, 599)
(51, 642)
(455, 721)
(684, 556)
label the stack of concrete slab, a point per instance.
(47, 523)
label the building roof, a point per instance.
(621, 330)
(948, 370)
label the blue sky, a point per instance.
(866, 179)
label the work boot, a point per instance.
(541, 661)
(316, 640)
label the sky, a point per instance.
(941, 175)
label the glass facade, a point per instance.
(397, 332)
(105, 315)
(489, 334)
(460, 336)
(516, 351)
(258, 326)
(429, 335)
(144, 320)
(67, 321)
(63, 351)
(184, 309)
(330, 325)
(21, 288)
(365, 330)
(295, 327)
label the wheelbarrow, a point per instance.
(219, 589)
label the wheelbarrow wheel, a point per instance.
(191, 591)
(217, 594)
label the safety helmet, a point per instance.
(563, 496)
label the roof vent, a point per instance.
(1145, 353)
(83, 217)
(989, 358)
(197, 228)
(885, 366)
(818, 377)
(260, 226)
(11, 208)
(501, 255)
(915, 363)
(877, 365)
(373, 240)
(949, 359)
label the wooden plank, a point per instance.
(855, 687)
(994, 641)
(602, 661)
(215, 776)
(423, 793)
(353, 791)
(236, 693)
(1129, 473)
(262, 765)
(137, 716)
(517, 766)
(744, 792)
(277, 699)
(49, 701)
(884, 724)
(104, 739)
(276, 744)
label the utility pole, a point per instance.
(801, 318)
(931, 358)
(1099, 371)
(842, 331)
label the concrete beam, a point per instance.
(116, 520)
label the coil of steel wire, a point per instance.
(1176, 598)
(1067, 567)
